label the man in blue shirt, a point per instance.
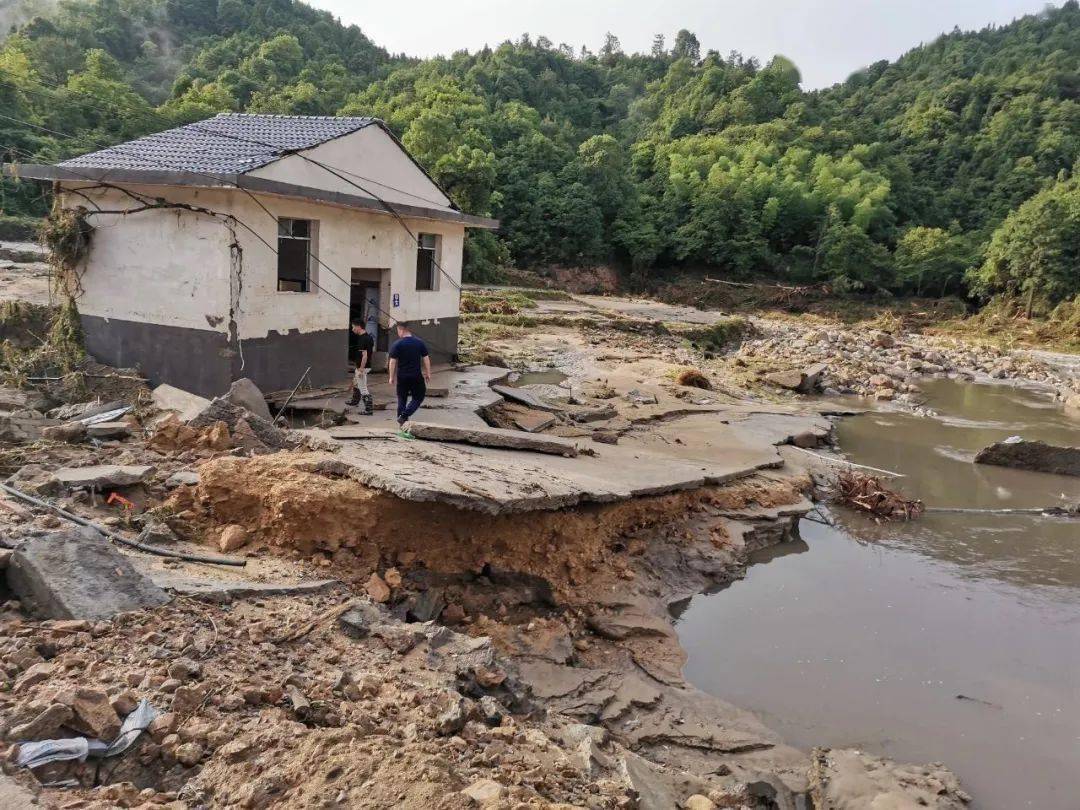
(410, 367)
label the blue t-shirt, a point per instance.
(409, 351)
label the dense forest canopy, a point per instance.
(950, 170)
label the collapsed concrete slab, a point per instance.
(246, 394)
(102, 476)
(495, 437)
(1035, 456)
(496, 481)
(76, 575)
(183, 403)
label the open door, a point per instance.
(367, 292)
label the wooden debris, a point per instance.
(866, 493)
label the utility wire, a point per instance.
(335, 170)
(390, 317)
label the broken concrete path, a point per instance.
(102, 476)
(523, 397)
(495, 437)
(246, 394)
(1034, 456)
(499, 481)
(76, 575)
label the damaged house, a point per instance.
(242, 245)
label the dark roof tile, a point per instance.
(229, 143)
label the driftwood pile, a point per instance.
(866, 493)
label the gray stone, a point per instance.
(157, 533)
(427, 605)
(247, 395)
(182, 478)
(803, 382)
(68, 575)
(625, 624)
(108, 430)
(183, 403)
(495, 437)
(1035, 456)
(22, 428)
(102, 476)
(68, 432)
(43, 726)
(520, 395)
(20, 399)
(452, 719)
(656, 788)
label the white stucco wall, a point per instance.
(173, 267)
(164, 267)
(369, 153)
(346, 239)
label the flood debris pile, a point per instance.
(867, 493)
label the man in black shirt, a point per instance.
(410, 367)
(361, 349)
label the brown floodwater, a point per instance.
(865, 636)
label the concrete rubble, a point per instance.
(70, 575)
(1036, 456)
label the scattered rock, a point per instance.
(247, 395)
(34, 674)
(102, 476)
(68, 432)
(699, 802)
(182, 478)
(883, 340)
(452, 719)
(188, 754)
(485, 791)
(157, 533)
(23, 399)
(44, 726)
(377, 588)
(94, 714)
(803, 382)
(108, 430)
(184, 404)
(232, 537)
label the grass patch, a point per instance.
(495, 302)
(1004, 321)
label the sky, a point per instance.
(827, 39)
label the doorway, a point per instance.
(367, 293)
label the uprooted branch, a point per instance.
(867, 493)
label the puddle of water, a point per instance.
(867, 637)
(537, 378)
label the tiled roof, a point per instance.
(229, 143)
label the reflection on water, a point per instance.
(936, 455)
(867, 638)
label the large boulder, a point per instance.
(78, 575)
(1037, 456)
(247, 395)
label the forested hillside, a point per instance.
(949, 170)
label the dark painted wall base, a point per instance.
(276, 362)
(202, 361)
(196, 360)
(441, 338)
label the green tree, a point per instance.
(1036, 251)
(932, 260)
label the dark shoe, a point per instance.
(354, 400)
(369, 406)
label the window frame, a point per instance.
(434, 249)
(285, 233)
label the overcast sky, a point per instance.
(827, 39)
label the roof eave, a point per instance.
(245, 182)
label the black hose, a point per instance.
(116, 538)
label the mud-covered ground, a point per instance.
(513, 660)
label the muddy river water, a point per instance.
(867, 636)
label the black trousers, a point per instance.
(407, 387)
